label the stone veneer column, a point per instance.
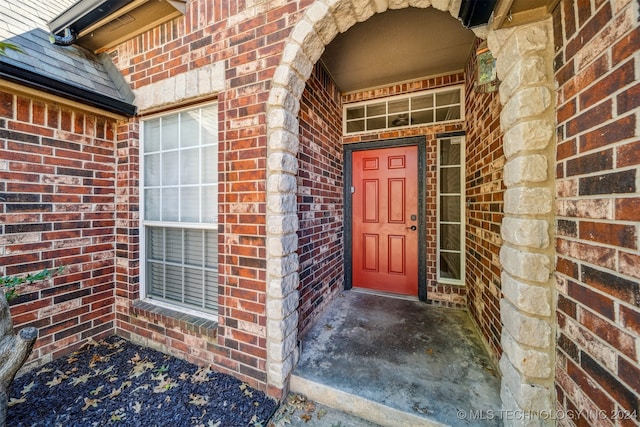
(524, 63)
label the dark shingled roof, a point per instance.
(69, 71)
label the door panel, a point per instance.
(385, 209)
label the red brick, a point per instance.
(630, 318)
(611, 283)
(610, 234)
(629, 264)
(609, 332)
(589, 119)
(629, 100)
(628, 154)
(594, 300)
(621, 77)
(591, 389)
(626, 46)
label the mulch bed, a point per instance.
(115, 382)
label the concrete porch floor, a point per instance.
(398, 362)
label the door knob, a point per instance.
(412, 228)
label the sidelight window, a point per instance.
(451, 210)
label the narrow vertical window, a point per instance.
(179, 209)
(450, 210)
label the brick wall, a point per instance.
(58, 182)
(598, 206)
(484, 208)
(320, 198)
(249, 41)
(438, 294)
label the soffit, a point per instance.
(102, 24)
(398, 45)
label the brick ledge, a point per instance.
(174, 318)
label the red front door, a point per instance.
(385, 209)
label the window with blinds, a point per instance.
(180, 194)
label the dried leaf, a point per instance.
(328, 327)
(72, 359)
(164, 385)
(81, 379)
(55, 381)
(305, 417)
(97, 390)
(140, 368)
(211, 424)
(183, 376)
(429, 351)
(28, 387)
(15, 401)
(137, 407)
(44, 371)
(201, 375)
(321, 413)
(198, 400)
(135, 359)
(96, 358)
(89, 403)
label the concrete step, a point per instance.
(357, 406)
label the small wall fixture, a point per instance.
(486, 75)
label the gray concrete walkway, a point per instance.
(397, 362)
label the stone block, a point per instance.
(280, 350)
(281, 140)
(525, 265)
(525, 232)
(282, 245)
(522, 41)
(529, 298)
(281, 267)
(529, 397)
(526, 103)
(523, 169)
(442, 5)
(282, 224)
(282, 97)
(281, 182)
(281, 204)
(398, 4)
(528, 71)
(322, 21)
(529, 362)
(342, 13)
(283, 119)
(287, 77)
(278, 329)
(525, 329)
(281, 308)
(526, 136)
(420, 3)
(363, 9)
(278, 372)
(304, 34)
(380, 5)
(528, 201)
(279, 287)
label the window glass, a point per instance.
(180, 202)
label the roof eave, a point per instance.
(59, 88)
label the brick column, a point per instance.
(524, 61)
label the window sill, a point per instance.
(174, 318)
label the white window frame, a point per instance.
(345, 107)
(143, 224)
(448, 280)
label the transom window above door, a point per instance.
(415, 109)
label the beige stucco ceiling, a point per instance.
(398, 45)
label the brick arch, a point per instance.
(527, 118)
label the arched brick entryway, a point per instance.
(524, 64)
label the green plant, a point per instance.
(4, 46)
(12, 283)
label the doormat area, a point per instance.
(116, 383)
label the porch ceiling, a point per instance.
(397, 45)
